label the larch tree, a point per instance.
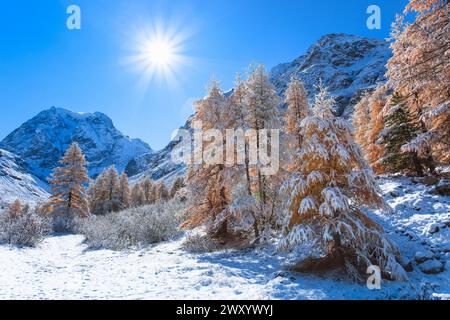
(297, 108)
(208, 181)
(262, 103)
(332, 184)
(137, 196)
(105, 194)
(369, 123)
(418, 70)
(124, 192)
(150, 191)
(68, 184)
(162, 192)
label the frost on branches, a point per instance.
(332, 184)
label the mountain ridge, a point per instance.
(42, 140)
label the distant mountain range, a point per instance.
(347, 64)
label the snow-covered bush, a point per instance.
(132, 227)
(198, 243)
(27, 229)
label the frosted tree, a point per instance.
(68, 184)
(15, 209)
(325, 224)
(297, 108)
(400, 129)
(105, 194)
(177, 185)
(207, 181)
(418, 70)
(124, 192)
(368, 120)
(262, 103)
(238, 113)
(137, 196)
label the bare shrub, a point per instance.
(199, 243)
(27, 229)
(132, 227)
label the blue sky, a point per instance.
(43, 64)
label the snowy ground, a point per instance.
(62, 268)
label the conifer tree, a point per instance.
(419, 70)
(137, 196)
(162, 193)
(400, 129)
(150, 191)
(262, 103)
(368, 120)
(207, 182)
(297, 110)
(124, 192)
(68, 184)
(332, 183)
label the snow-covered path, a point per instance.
(62, 268)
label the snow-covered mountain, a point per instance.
(16, 182)
(41, 141)
(157, 165)
(347, 64)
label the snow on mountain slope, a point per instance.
(42, 141)
(16, 182)
(63, 268)
(347, 65)
(157, 165)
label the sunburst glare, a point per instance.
(158, 54)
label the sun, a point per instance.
(160, 53)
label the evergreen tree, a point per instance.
(68, 184)
(332, 183)
(105, 193)
(400, 129)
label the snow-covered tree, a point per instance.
(400, 129)
(105, 194)
(176, 186)
(207, 181)
(418, 70)
(325, 223)
(68, 184)
(369, 123)
(262, 112)
(298, 108)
